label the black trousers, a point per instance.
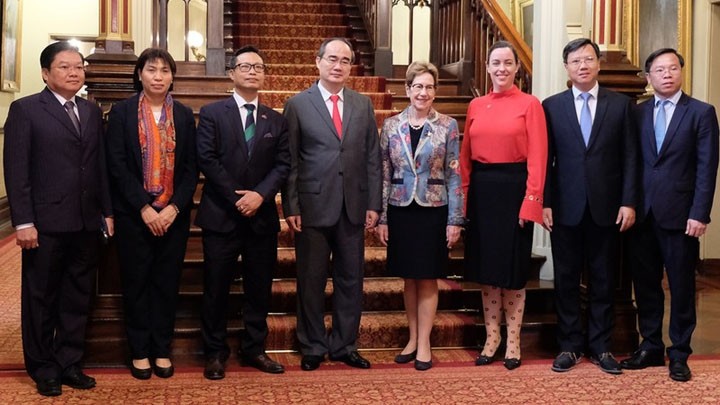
(57, 281)
(313, 246)
(650, 249)
(575, 248)
(259, 256)
(150, 268)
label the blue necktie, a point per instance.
(249, 122)
(585, 118)
(660, 123)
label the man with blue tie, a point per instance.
(590, 197)
(679, 146)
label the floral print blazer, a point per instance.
(431, 177)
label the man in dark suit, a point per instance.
(59, 201)
(679, 146)
(590, 197)
(333, 190)
(243, 152)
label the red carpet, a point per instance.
(446, 383)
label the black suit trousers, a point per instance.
(57, 281)
(650, 249)
(259, 256)
(150, 271)
(576, 248)
(313, 246)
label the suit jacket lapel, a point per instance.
(600, 110)
(54, 108)
(348, 104)
(237, 131)
(132, 120)
(317, 101)
(647, 135)
(84, 112)
(572, 117)
(261, 125)
(680, 110)
(403, 131)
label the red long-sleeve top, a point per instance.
(508, 127)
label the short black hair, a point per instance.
(503, 44)
(321, 51)
(242, 50)
(576, 44)
(151, 54)
(662, 51)
(47, 56)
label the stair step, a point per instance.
(292, 17)
(324, 31)
(313, 7)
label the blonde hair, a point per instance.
(419, 67)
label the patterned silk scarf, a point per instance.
(157, 142)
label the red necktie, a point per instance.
(336, 115)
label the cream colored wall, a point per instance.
(401, 34)
(39, 22)
(706, 64)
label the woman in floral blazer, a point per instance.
(422, 204)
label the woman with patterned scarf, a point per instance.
(151, 160)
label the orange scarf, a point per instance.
(157, 142)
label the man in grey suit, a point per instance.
(332, 193)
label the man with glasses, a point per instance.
(679, 147)
(243, 153)
(59, 201)
(332, 194)
(590, 196)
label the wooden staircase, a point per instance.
(291, 59)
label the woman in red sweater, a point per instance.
(503, 163)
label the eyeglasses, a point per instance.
(334, 60)
(417, 87)
(245, 67)
(661, 70)
(589, 61)
(66, 69)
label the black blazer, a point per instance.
(603, 175)
(125, 158)
(224, 160)
(55, 177)
(679, 182)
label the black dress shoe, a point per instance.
(140, 373)
(310, 362)
(483, 360)
(642, 359)
(405, 358)
(353, 359)
(75, 378)
(263, 363)
(164, 372)
(679, 370)
(49, 388)
(511, 364)
(607, 363)
(565, 361)
(214, 369)
(423, 365)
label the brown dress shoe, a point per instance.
(263, 363)
(214, 369)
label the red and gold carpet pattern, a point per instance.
(315, 7)
(448, 382)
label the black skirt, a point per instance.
(417, 243)
(497, 250)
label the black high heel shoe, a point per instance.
(164, 372)
(405, 358)
(511, 364)
(483, 360)
(423, 365)
(140, 373)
